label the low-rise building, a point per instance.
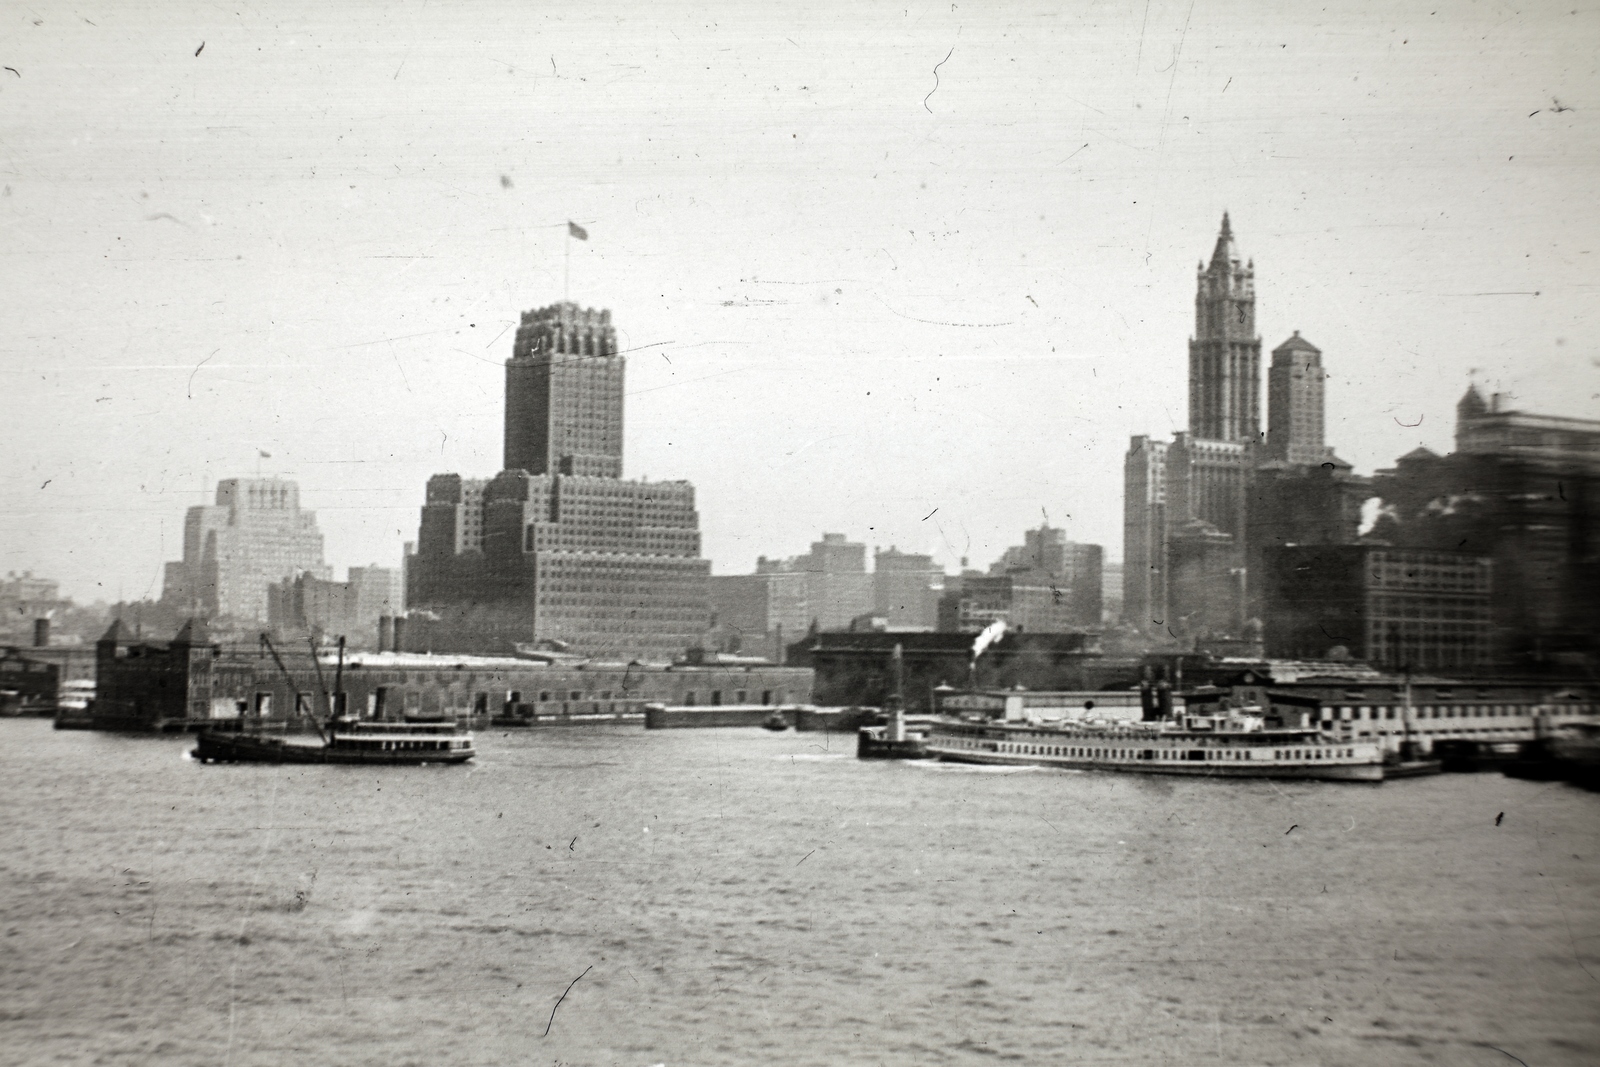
(188, 681)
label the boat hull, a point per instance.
(1330, 772)
(214, 748)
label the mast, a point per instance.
(267, 641)
(338, 674)
(321, 685)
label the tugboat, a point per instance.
(777, 722)
(1409, 762)
(890, 740)
(343, 739)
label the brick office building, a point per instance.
(1390, 607)
(558, 548)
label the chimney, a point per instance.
(385, 632)
(41, 633)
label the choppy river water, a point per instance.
(736, 897)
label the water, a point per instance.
(736, 897)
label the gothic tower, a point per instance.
(1225, 354)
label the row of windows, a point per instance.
(1435, 711)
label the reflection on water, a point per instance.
(723, 906)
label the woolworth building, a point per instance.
(1199, 510)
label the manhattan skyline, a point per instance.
(912, 277)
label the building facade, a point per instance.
(1144, 533)
(558, 549)
(184, 683)
(1394, 608)
(1295, 415)
(564, 389)
(1225, 352)
(351, 608)
(859, 668)
(906, 587)
(1072, 570)
(256, 534)
(1524, 491)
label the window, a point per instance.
(716, 696)
(263, 704)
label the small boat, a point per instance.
(1409, 762)
(344, 739)
(777, 722)
(889, 738)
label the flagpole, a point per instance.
(566, 266)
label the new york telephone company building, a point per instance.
(558, 549)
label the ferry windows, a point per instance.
(741, 697)
(576, 695)
(302, 703)
(688, 699)
(263, 704)
(716, 697)
(766, 696)
(341, 703)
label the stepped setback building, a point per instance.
(256, 534)
(558, 550)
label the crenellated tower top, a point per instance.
(565, 329)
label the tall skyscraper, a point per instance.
(254, 535)
(564, 394)
(1199, 512)
(1144, 533)
(557, 549)
(1225, 353)
(1294, 402)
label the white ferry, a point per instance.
(1229, 744)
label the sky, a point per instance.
(912, 273)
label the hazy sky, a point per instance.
(909, 272)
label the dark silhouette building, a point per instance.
(1391, 607)
(1524, 491)
(557, 549)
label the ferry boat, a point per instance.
(340, 739)
(1229, 744)
(347, 741)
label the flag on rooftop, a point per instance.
(577, 231)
